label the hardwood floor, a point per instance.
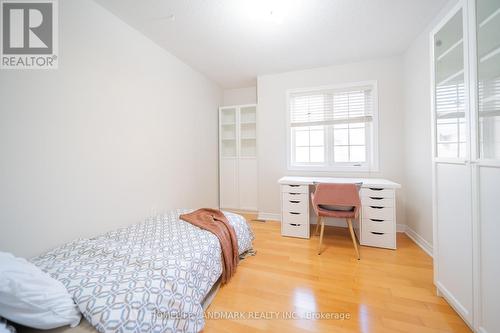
(385, 291)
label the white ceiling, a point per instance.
(233, 41)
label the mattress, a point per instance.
(153, 276)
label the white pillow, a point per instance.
(31, 297)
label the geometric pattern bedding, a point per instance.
(148, 277)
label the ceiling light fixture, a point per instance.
(267, 11)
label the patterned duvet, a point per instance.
(148, 277)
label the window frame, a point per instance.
(372, 140)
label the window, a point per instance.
(333, 128)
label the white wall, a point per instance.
(417, 136)
(239, 96)
(272, 123)
(417, 133)
(120, 130)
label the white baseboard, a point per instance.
(400, 227)
(329, 221)
(419, 240)
(240, 210)
(453, 301)
(269, 216)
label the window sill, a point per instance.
(346, 168)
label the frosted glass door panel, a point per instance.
(450, 126)
(488, 71)
(248, 131)
(228, 116)
(248, 114)
(228, 132)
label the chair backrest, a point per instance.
(337, 194)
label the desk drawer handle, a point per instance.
(292, 193)
(295, 224)
(294, 185)
(294, 201)
(377, 233)
(377, 220)
(294, 213)
(376, 207)
(376, 189)
(376, 198)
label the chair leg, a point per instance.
(353, 236)
(318, 222)
(321, 236)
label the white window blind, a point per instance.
(332, 129)
(330, 107)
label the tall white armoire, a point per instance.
(238, 157)
(466, 161)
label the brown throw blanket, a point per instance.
(215, 221)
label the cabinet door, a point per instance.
(487, 28)
(453, 249)
(229, 189)
(248, 183)
(452, 171)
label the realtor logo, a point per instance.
(29, 34)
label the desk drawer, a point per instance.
(295, 217)
(302, 197)
(379, 213)
(290, 188)
(380, 226)
(378, 239)
(295, 204)
(295, 229)
(377, 201)
(377, 192)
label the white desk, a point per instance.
(377, 222)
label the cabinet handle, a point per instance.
(294, 201)
(376, 207)
(377, 220)
(294, 213)
(295, 224)
(376, 189)
(377, 233)
(291, 193)
(376, 198)
(294, 185)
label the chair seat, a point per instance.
(337, 207)
(341, 214)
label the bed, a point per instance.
(154, 276)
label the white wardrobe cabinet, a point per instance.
(238, 157)
(466, 161)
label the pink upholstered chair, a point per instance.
(338, 201)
